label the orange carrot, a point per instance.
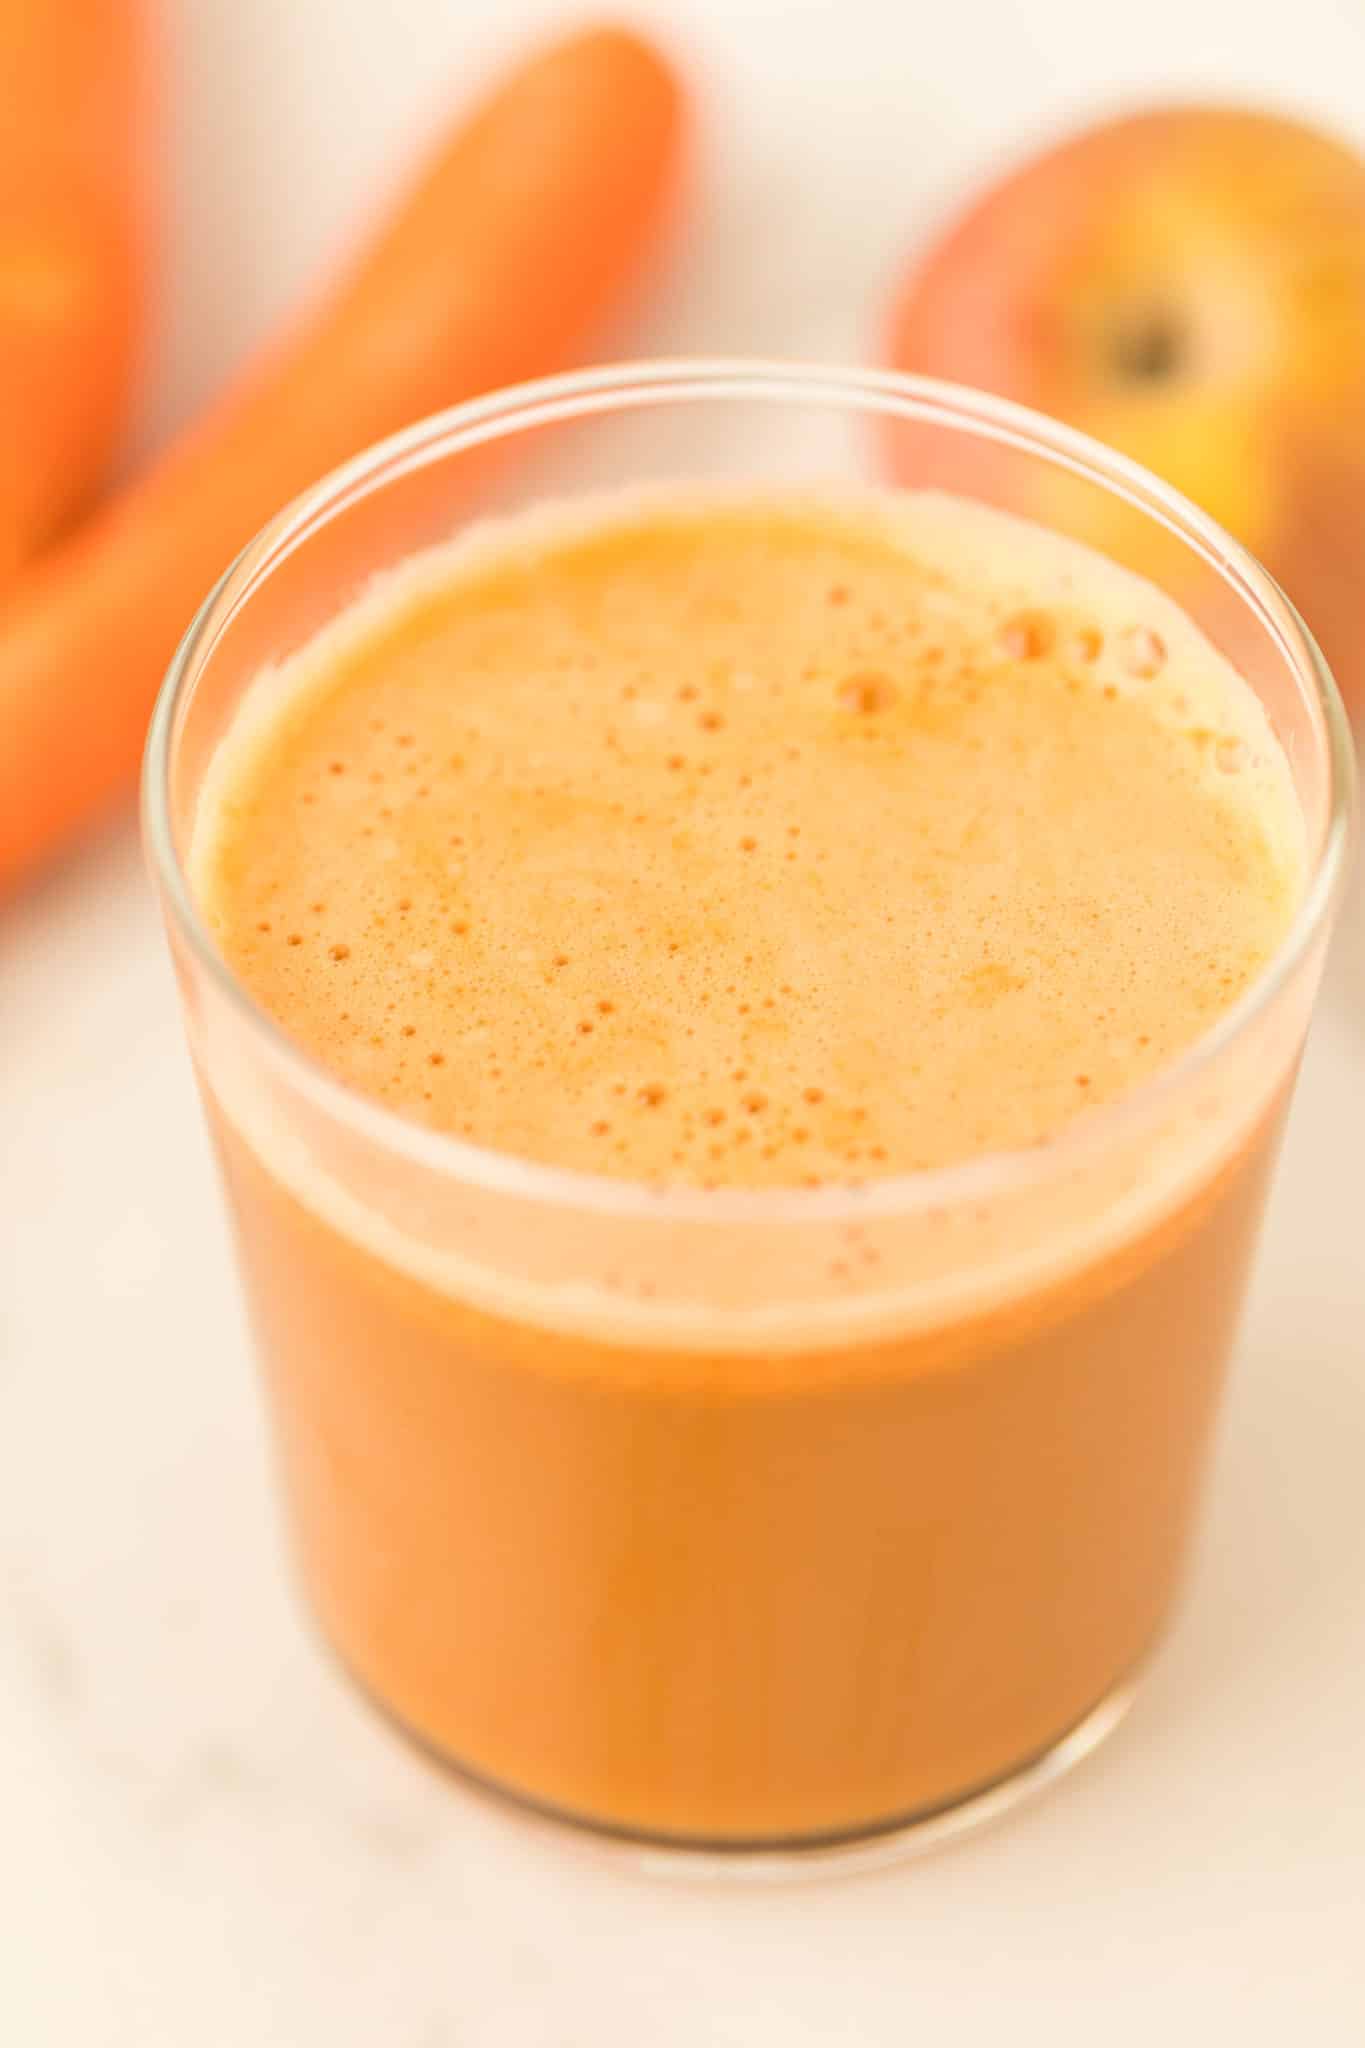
(519, 236)
(74, 239)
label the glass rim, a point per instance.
(611, 387)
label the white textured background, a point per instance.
(205, 1842)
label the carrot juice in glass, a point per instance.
(746, 1017)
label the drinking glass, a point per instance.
(761, 1525)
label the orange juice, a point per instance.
(782, 845)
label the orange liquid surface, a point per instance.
(766, 843)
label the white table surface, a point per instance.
(204, 1838)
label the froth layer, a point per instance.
(751, 840)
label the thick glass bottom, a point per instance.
(891, 1841)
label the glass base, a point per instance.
(896, 1841)
(810, 1856)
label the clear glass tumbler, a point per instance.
(743, 1522)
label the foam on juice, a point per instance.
(751, 840)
